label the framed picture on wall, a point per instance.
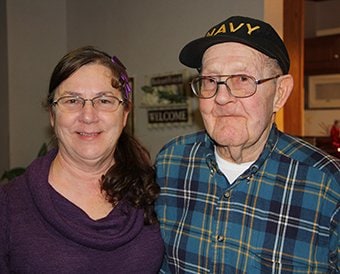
(130, 123)
(323, 91)
(166, 100)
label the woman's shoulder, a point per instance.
(36, 171)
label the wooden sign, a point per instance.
(168, 116)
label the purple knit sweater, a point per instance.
(42, 232)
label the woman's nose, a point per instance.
(88, 112)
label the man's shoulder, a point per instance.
(307, 154)
(184, 144)
(187, 140)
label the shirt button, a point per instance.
(227, 194)
(220, 238)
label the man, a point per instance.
(241, 196)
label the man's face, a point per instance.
(238, 125)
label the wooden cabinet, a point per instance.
(322, 55)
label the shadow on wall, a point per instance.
(16, 171)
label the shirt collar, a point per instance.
(268, 149)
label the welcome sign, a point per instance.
(165, 99)
(168, 116)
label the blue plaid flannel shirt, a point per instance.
(280, 216)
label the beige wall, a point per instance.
(36, 34)
(273, 14)
(321, 16)
(146, 35)
(4, 114)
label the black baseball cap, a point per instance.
(245, 30)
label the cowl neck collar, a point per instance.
(120, 226)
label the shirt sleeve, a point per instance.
(3, 234)
(165, 267)
(334, 256)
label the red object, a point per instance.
(335, 135)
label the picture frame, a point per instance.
(323, 91)
(165, 89)
(130, 126)
(166, 100)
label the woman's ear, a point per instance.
(52, 114)
(127, 109)
(284, 87)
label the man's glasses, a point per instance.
(106, 103)
(240, 85)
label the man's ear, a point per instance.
(284, 87)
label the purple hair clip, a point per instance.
(123, 78)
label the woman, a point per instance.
(87, 206)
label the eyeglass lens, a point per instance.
(76, 103)
(238, 86)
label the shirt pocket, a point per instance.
(265, 263)
(296, 251)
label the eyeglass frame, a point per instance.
(84, 100)
(224, 82)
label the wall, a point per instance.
(147, 35)
(320, 16)
(273, 14)
(4, 116)
(36, 38)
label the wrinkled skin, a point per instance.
(240, 126)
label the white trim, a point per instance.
(331, 31)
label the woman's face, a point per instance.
(88, 135)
